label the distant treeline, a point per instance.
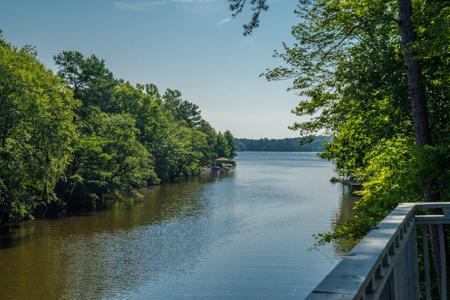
(286, 145)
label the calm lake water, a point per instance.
(244, 236)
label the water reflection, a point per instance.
(345, 211)
(242, 236)
(86, 256)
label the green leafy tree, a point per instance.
(222, 147)
(181, 109)
(36, 133)
(209, 147)
(108, 160)
(162, 141)
(179, 149)
(287, 144)
(373, 74)
(109, 156)
(231, 143)
(88, 77)
(112, 140)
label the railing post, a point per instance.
(443, 262)
(413, 266)
(426, 261)
(435, 224)
(406, 270)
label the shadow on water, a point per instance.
(160, 204)
(240, 236)
(15, 234)
(344, 213)
(88, 255)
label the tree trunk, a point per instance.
(420, 115)
(414, 74)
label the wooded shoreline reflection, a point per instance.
(215, 228)
(85, 246)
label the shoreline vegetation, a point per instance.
(375, 76)
(300, 144)
(70, 139)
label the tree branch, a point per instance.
(236, 7)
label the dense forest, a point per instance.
(69, 139)
(316, 144)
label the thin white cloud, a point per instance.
(191, 1)
(143, 6)
(138, 6)
(223, 22)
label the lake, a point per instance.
(247, 235)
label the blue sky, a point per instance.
(190, 45)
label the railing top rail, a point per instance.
(427, 205)
(355, 273)
(443, 218)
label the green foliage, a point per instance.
(231, 141)
(225, 145)
(115, 138)
(208, 148)
(36, 133)
(108, 160)
(171, 143)
(287, 144)
(348, 66)
(88, 77)
(222, 147)
(182, 110)
(393, 175)
(170, 128)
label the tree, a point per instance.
(209, 146)
(286, 145)
(108, 160)
(181, 109)
(231, 143)
(114, 138)
(36, 133)
(108, 156)
(222, 147)
(89, 78)
(236, 6)
(349, 61)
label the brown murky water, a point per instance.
(245, 236)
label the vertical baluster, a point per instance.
(443, 262)
(446, 212)
(426, 261)
(413, 265)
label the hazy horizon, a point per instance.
(193, 46)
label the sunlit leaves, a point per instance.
(36, 132)
(346, 64)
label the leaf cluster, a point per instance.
(347, 67)
(73, 139)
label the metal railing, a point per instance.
(384, 265)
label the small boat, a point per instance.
(215, 168)
(223, 166)
(223, 161)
